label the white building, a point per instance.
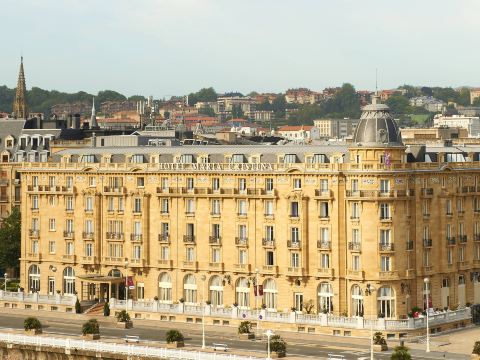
(336, 128)
(471, 123)
(427, 102)
(299, 133)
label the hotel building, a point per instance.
(311, 224)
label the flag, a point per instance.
(130, 284)
(387, 159)
(258, 290)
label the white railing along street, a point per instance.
(117, 348)
(56, 299)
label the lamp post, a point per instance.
(256, 297)
(369, 292)
(427, 283)
(5, 275)
(126, 286)
(269, 334)
(203, 311)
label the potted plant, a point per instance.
(32, 326)
(78, 307)
(174, 339)
(476, 351)
(91, 330)
(106, 309)
(123, 320)
(379, 342)
(235, 304)
(181, 300)
(278, 347)
(155, 298)
(245, 330)
(401, 353)
(208, 302)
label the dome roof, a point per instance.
(377, 127)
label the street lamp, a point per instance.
(5, 275)
(126, 286)
(256, 294)
(369, 292)
(203, 312)
(427, 283)
(269, 334)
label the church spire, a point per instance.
(93, 118)
(20, 110)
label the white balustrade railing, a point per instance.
(58, 299)
(116, 348)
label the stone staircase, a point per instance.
(95, 309)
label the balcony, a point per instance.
(428, 270)
(409, 245)
(451, 241)
(295, 271)
(427, 243)
(461, 212)
(462, 239)
(189, 239)
(68, 259)
(34, 233)
(355, 274)
(164, 238)
(87, 235)
(355, 217)
(244, 268)
(51, 189)
(34, 257)
(354, 246)
(376, 194)
(293, 244)
(165, 264)
(464, 265)
(68, 234)
(216, 266)
(324, 245)
(240, 241)
(114, 190)
(270, 269)
(189, 213)
(136, 237)
(108, 260)
(324, 273)
(268, 242)
(3, 198)
(114, 236)
(410, 273)
(190, 265)
(89, 260)
(388, 275)
(137, 263)
(323, 193)
(385, 219)
(385, 247)
(214, 240)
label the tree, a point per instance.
(137, 98)
(109, 95)
(207, 110)
(237, 111)
(398, 104)
(476, 102)
(10, 241)
(426, 91)
(203, 95)
(401, 353)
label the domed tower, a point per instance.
(377, 138)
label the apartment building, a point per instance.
(307, 223)
(336, 128)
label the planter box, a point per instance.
(276, 355)
(125, 325)
(91, 336)
(248, 336)
(33, 332)
(380, 348)
(175, 344)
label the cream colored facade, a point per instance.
(315, 229)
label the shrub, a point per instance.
(401, 353)
(91, 327)
(123, 316)
(476, 348)
(208, 302)
(155, 298)
(264, 306)
(378, 339)
(182, 300)
(381, 315)
(277, 344)
(173, 336)
(293, 308)
(78, 307)
(235, 304)
(106, 309)
(245, 327)
(32, 323)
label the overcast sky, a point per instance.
(172, 47)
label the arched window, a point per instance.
(270, 294)
(115, 273)
(325, 297)
(190, 289)
(69, 281)
(386, 301)
(357, 301)
(34, 278)
(242, 293)
(164, 288)
(461, 280)
(216, 291)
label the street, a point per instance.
(298, 345)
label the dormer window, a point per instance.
(290, 159)
(237, 159)
(88, 158)
(318, 159)
(137, 158)
(9, 142)
(186, 159)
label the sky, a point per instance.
(173, 47)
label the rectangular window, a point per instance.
(165, 253)
(51, 201)
(190, 183)
(216, 231)
(461, 253)
(355, 210)
(297, 184)
(111, 203)
(89, 226)
(51, 181)
(269, 233)
(323, 185)
(140, 291)
(69, 203)
(356, 262)
(120, 204)
(294, 209)
(88, 249)
(269, 208)
(425, 208)
(115, 250)
(215, 255)
(426, 258)
(137, 228)
(216, 184)
(385, 263)
(190, 229)
(165, 231)
(190, 206)
(237, 159)
(190, 254)
(325, 261)
(324, 234)
(354, 184)
(51, 224)
(268, 185)
(242, 232)
(356, 236)
(449, 256)
(92, 181)
(34, 202)
(137, 252)
(164, 183)
(295, 260)
(137, 205)
(186, 159)
(242, 256)
(242, 184)
(384, 211)
(385, 236)
(35, 181)
(448, 205)
(141, 182)
(89, 203)
(69, 182)
(295, 235)
(165, 206)
(242, 207)
(384, 186)
(269, 260)
(215, 207)
(52, 247)
(324, 213)
(290, 159)
(69, 226)
(69, 249)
